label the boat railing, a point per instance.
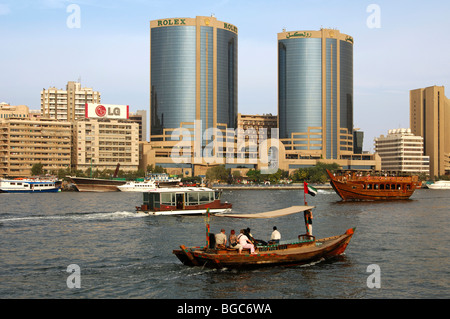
(285, 243)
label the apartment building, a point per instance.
(69, 104)
(140, 117)
(7, 111)
(102, 143)
(402, 151)
(25, 142)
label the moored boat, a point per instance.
(182, 201)
(439, 185)
(302, 250)
(134, 186)
(163, 179)
(86, 184)
(351, 185)
(30, 185)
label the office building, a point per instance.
(25, 142)
(69, 104)
(430, 118)
(402, 151)
(315, 93)
(193, 74)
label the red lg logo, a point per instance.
(100, 110)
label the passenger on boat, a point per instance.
(233, 239)
(221, 239)
(275, 237)
(253, 239)
(308, 221)
(245, 242)
(249, 235)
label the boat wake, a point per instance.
(322, 191)
(77, 216)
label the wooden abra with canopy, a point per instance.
(301, 250)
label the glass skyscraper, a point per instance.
(193, 73)
(315, 92)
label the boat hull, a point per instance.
(275, 255)
(440, 185)
(50, 190)
(129, 189)
(96, 185)
(369, 188)
(189, 212)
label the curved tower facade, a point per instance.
(315, 92)
(193, 73)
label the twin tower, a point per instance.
(194, 76)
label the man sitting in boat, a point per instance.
(275, 237)
(245, 242)
(252, 239)
(221, 239)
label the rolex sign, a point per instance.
(106, 111)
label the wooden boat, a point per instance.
(302, 250)
(351, 185)
(30, 185)
(86, 184)
(183, 201)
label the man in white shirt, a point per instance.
(276, 236)
(221, 239)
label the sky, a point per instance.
(399, 45)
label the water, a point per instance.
(123, 254)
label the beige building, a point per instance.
(140, 117)
(7, 111)
(103, 143)
(68, 104)
(25, 142)
(402, 151)
(430, 118)
(255, 122)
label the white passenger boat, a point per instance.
(163, 179)
(132, 186)
(30, 185)
(440, 185)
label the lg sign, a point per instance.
(108, 111)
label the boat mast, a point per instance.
(207, 227)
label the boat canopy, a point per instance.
(271, 214)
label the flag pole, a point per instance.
(207, 227)
(305, 189)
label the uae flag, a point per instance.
(309, 189)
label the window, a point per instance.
(168, 199)
(192, 199)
